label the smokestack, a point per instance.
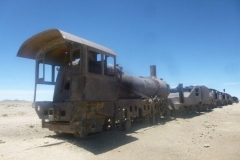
(153, 71)
(181, 95)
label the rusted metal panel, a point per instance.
(206, 97)
(66, 128)
(60, 111)
(100, 108)
(131, 105)
(100, 88)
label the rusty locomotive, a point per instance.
(93, 94)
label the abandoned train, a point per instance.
(92, 93)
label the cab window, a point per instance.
(94, 62)
(98, 63)
(109, 66)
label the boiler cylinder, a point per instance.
(135, 87)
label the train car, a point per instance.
(221, 101)
(220, 98)
(214, 94)
(235, 99)
(91, 92)
(228, 99)
(190, 98)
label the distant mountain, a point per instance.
(15, 100)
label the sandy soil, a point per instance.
(213, 134)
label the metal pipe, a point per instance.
(181, 94)
(153, 71)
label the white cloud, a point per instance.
(232, 83)
(199, 84)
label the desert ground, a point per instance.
(213, 134)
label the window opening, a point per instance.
(47, 68)
(94, 62)
(140, 112)
(48, 73)
(67, 85)
(63, 113)
(76, 62)
(109, 65)
(76, 57)
(56, 73)
(44, 92)
(40, 71)
(196, 91)
(99, 58)
(46, 112)
(126, 113)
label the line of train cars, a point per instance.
(93, 94)
(197, 98)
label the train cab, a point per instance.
(84, 78)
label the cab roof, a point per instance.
(33, 46)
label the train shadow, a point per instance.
(99, 143)
(193, 114)
(106, 141)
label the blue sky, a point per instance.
(194, 42)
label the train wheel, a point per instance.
(172, 110)
(126, 125)
(108, 124)
(153, 119)
(157, 117)
(198, 109)
(183, 110)
(167, 114)
(188, 109)
(79, 134)
(58, 133)
(173, 113)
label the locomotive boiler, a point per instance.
(91, 92)
(142, 87)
